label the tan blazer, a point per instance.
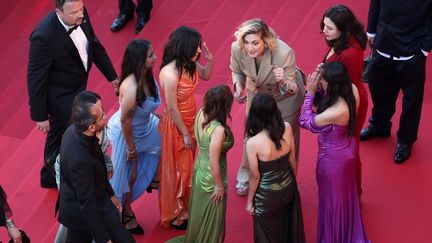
(244, 71)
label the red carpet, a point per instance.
(397, 198)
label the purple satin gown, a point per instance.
(339, 216)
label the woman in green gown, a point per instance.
(207, 208)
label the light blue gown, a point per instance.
(147, 143)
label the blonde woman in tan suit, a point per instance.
(260, 62)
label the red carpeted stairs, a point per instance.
(397, 198)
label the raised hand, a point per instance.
(207, 53)
(312, 82)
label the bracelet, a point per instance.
(131, 152)
(10, 223)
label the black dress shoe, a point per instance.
(120, 22)
(141, 22)
(371, 132)
(402, 153)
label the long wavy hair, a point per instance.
(181, 47)
(339, 85)
(134, 60)
(347, 24)
(217, 104)
(264, 114)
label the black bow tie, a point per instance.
(72, 29)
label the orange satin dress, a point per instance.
(176, 162)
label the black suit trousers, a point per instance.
(143, 9)
(386, 78)
(118, 233)
(51, 150)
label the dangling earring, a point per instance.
(266, 44)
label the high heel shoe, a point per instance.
(182, 226)
(153, 185)
(138, 230)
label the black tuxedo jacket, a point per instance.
(55, 71)
(402, 27)
(85, 193)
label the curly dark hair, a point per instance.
(181, 47)
(347, 24)
(339, 85)
(134, 60)
(217, 104)
(264, 114)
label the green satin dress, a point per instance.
(207, 219)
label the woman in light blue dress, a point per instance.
(133, 130)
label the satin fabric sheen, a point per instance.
(176, 164)
(207, 219)
(147, 143)
(339, 216)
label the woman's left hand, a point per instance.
(131, 155)
(218, 194)
(15, 234)
(250, 208)
(207, 53)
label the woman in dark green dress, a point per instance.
(273, 197)
(207, 208)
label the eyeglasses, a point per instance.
(102, 118)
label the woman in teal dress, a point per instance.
(207, 208)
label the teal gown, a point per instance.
(207, 219)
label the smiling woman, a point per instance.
(262, 63)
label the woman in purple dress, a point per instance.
(339, 217)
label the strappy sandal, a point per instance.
(182, 226)
(153, 185)
(138, 230)
(242, 189)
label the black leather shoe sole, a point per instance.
(372, 132)
(402, 153)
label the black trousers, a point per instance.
(51, 150)
(143, 9)
(118, 234)
(386, 78)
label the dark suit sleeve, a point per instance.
(39, 65)
(427, 41)
(374, 10)
(110, 190)
(102, 60)
(100, 56)
(82, 178)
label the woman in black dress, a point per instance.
(273, 197)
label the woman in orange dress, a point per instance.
(179, 77)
